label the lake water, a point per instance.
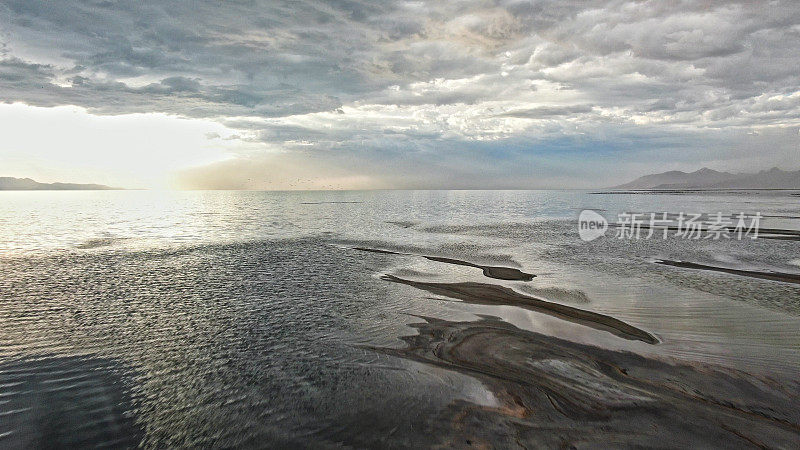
(249, 318)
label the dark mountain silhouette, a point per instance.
(706, 178)
(27, 184)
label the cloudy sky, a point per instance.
(245, 94)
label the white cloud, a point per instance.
(388, 82)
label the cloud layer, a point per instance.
(470, 94)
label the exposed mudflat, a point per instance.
(555, 393)
(496, 272)
(489, 294)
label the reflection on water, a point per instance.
(40, 220)
(229, 318)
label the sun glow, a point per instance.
(69, 144)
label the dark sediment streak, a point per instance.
(500, 273)
(489, 294)
(696, 191)
(780, 238)
(763, 233)
(377, 250)
(497, 272)
(555, 393)
(774, 276)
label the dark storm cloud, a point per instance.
(403, 76)
(34, 84)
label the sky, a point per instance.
(350, 94)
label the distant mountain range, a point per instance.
(27, 184)
(706, 178)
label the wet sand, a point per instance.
(489, 294)
(496, 272)
(774, 276)
(555, 393)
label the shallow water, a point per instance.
(225, 318)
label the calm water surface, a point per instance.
(244, 318)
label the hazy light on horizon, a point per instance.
(68, 144)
